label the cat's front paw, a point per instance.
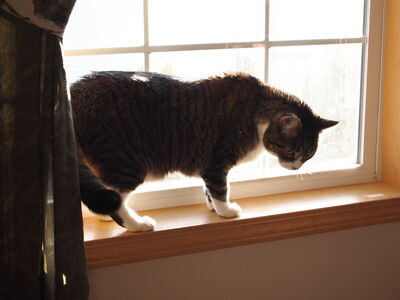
(226, 209)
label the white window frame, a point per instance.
(368, 168)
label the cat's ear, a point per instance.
(290, 125)
(324, 123)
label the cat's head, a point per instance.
(293, 137)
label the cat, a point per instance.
(136, 126)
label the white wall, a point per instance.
(362, 263)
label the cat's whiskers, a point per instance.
(299, 175)
(305, 171)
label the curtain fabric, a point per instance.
(41, 238)
(50, 15)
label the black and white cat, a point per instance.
(132, 126)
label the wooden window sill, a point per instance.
(190, 229)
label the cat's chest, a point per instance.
(258, 149)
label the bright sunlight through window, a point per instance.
(315, 49)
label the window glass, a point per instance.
(315, 19)
(105, 24)
(203, 63)
(78, 66)
(207, 21)
(328, 78)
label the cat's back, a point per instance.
(113, 86)
(103, 97)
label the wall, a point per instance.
(362, 263)
(391, 104)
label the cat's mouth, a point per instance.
(291, 165)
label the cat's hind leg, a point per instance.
(122, 176)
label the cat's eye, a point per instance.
(288, 152)
(308, 156)
(275, 147)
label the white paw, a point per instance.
(140, 224)
(226, 209)
(147, 224)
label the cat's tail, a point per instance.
(94, 194)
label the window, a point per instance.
(327, 52)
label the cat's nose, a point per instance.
(296, 165)
(291, 165)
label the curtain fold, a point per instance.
(41, 236)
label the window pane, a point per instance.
(315, 19)
(203, 63)
(328, 78)
(77, 66)
(103, 24)
(207, 21)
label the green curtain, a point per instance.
(41, 236)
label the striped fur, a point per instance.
(135, 125)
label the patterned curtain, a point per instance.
(41, 237)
